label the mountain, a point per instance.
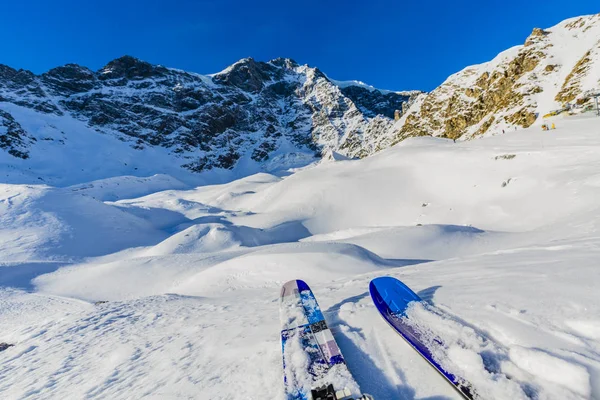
(251, 111)
(555, 69)
(72, 125)
(120, 283)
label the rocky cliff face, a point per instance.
(13, 137)
(252, 110)
(556, 68)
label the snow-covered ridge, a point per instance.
(555, 69)
(345, 84)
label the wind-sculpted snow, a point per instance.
(43, 223)
(150, 287)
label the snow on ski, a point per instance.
(313, 365)
(392, 299)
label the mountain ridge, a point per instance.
(251, 108)
(264, 116)
(553, 70)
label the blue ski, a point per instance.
(392, 297)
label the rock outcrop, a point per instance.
(553, 70)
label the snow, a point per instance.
(120, 286)
(69, 152)
(547, 367)
(345, 84)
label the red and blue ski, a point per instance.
(392, 299)
(313, 365)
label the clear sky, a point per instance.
(395, 45)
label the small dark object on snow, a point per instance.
(4, 346)
(324, 393)
(505, 157)
(100, 302)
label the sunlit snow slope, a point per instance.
(147, 288)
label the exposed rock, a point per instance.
(246, 74)
(374, 102)
(506, 182)
(523, 117)
(505, 157)
(69, 79)
(486, 125)
(4, 346)
(570, 88)
(208, 121)
(130, 68)
(486, 98)
(538, 32)
(535, 35)
(6, 72)
(13, 137)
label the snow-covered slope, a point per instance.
(113, 290)
(556, 69)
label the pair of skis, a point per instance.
(313, 365)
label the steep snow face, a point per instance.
(556, 69)
(498, 235)
(246, 115)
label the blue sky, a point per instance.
(389, 44)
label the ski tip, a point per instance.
(385, 284)
(389, 294)
(295, 285)
(302, 286)
(299, 283)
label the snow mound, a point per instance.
(208, 274)
(125, 187)
(553, 369)
(42, 223)
(211, 237)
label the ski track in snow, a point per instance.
(134, 288)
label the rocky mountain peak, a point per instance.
(131, 68)
(69, 79)
(14, 78)
(246, 74)
(286, 63)
(7, 72)
(536, 35)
